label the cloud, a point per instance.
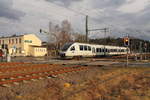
(64, 2)
(134, 6)
(102, 13)
(7, 10)
(107, 3)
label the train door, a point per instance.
(93, 51)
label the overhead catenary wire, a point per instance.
(72, 10)
(77, 12)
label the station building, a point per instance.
(23, 45)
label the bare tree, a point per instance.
(59, 35)
(66, 26)
(80, 37)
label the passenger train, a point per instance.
(70, 50)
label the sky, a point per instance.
(120, 16)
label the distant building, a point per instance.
(23, 45)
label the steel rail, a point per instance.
(24, 67)
(56, 72)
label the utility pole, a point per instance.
(86, 28)
(105, 30)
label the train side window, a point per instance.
(81, 47)
(97, 50)
(72, 48)
(89, 48)
(85, 48)
(111, 50)
(100, 50)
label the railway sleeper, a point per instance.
(6, 85)
(16, 83)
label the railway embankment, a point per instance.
(30, 81)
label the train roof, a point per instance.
(108, 46)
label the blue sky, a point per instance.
(121, 16)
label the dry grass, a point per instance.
(131, 86)
(96, 84)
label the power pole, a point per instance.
(86, 28)
(105, 31)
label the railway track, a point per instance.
(12, 63)
(25, 67)
(36, 71)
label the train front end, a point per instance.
(64, 51)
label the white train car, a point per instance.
(70, 50)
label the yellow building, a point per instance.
(24, 45)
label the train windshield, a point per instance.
(66, 46)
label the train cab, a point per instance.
(67, 50)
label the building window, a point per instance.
(20, 40)
(12, 41)
(3, 41)
(20, 50)
(16, 41)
